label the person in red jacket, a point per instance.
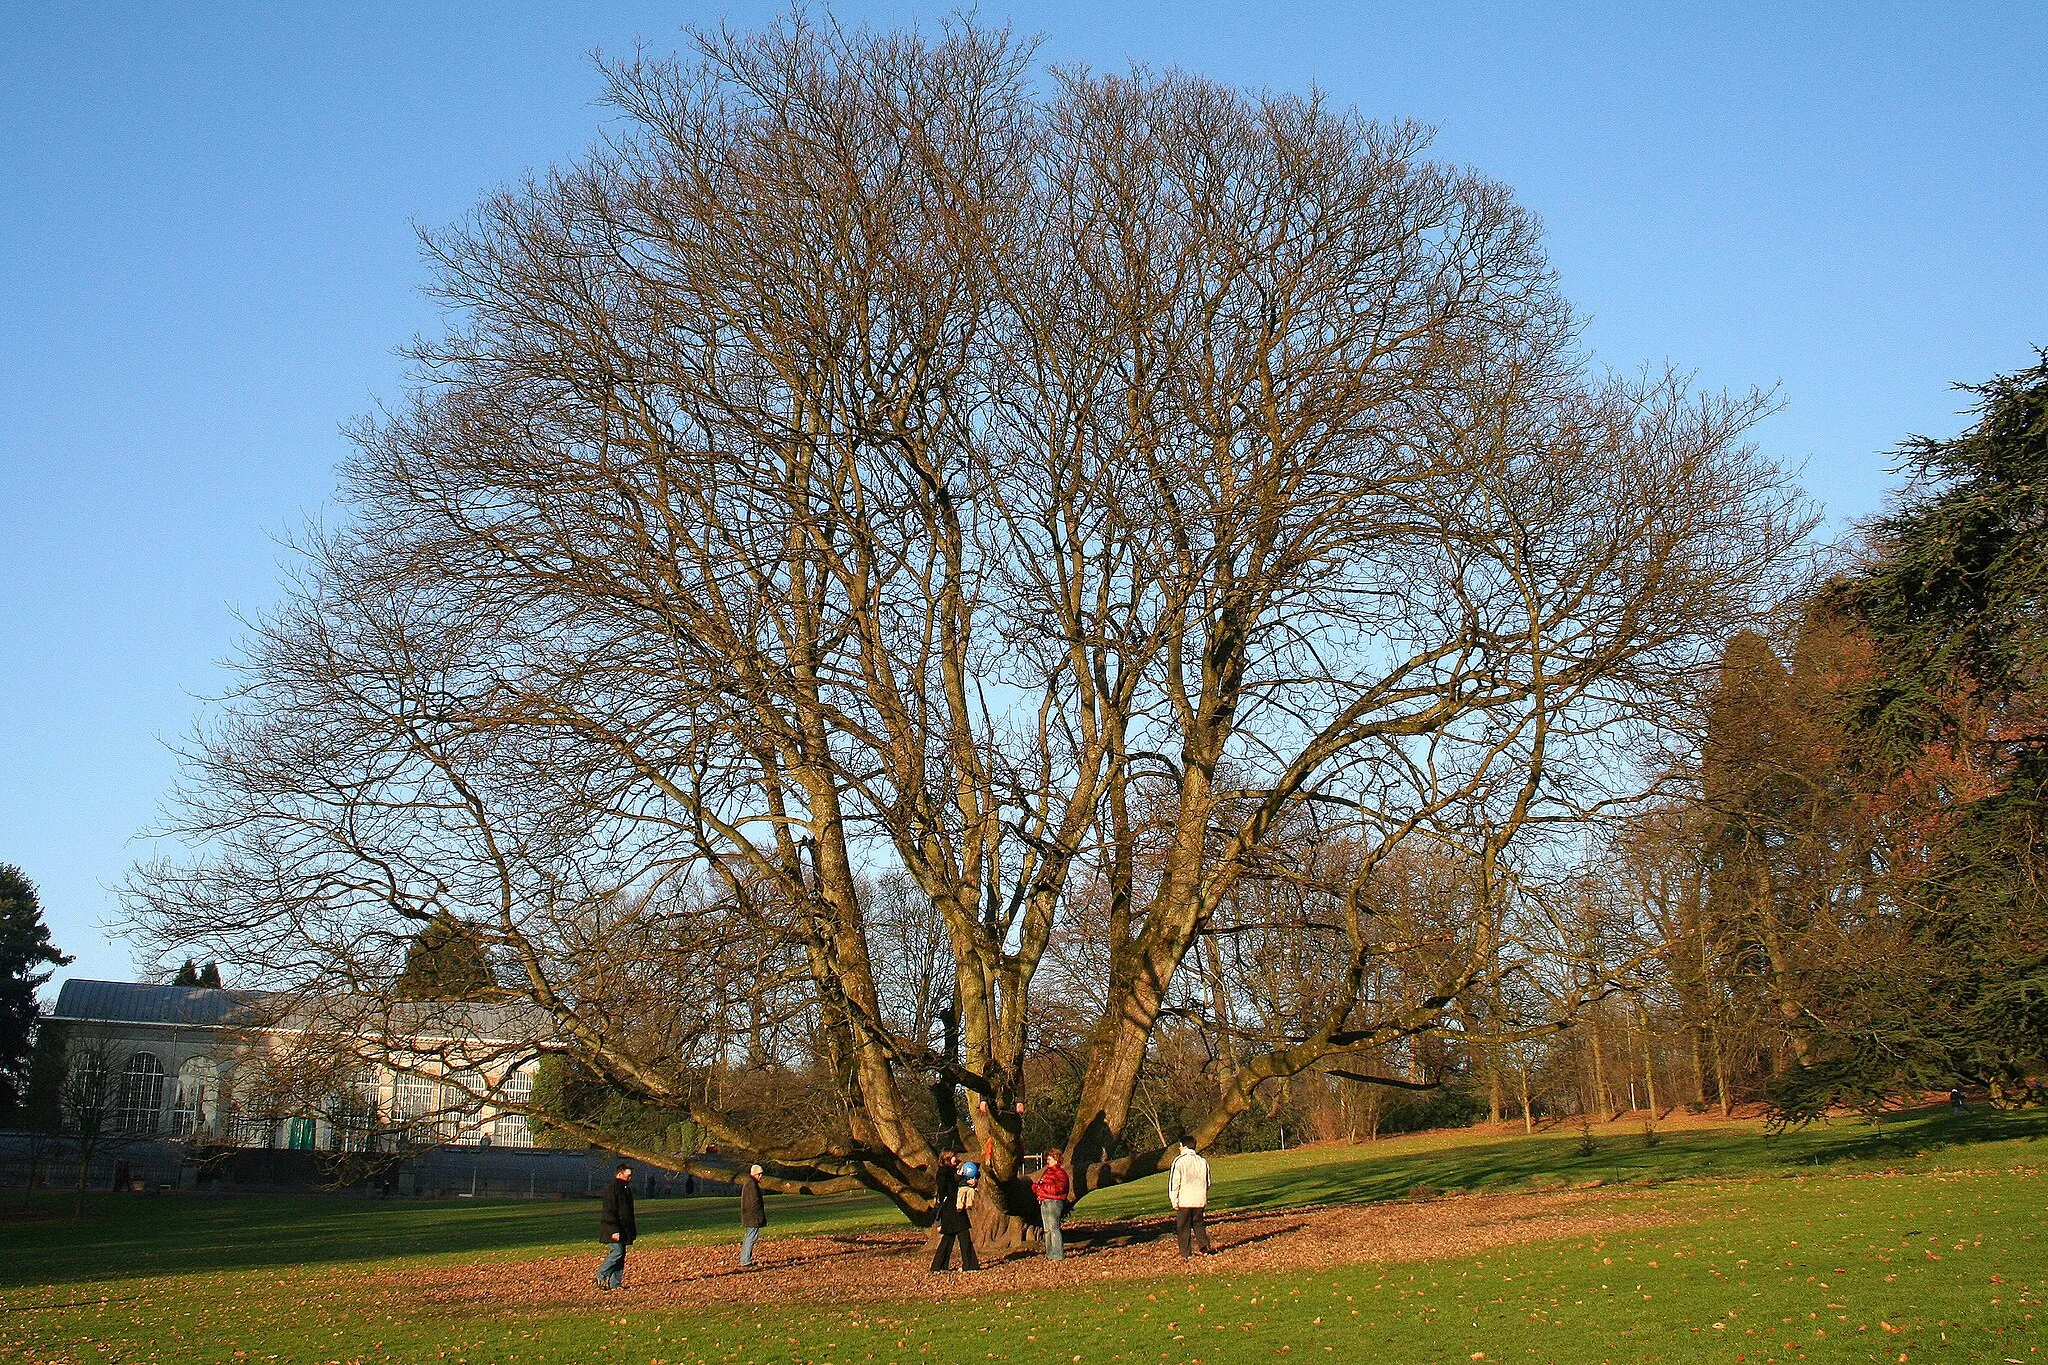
(1052, 1188)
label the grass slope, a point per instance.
(1461, 1160)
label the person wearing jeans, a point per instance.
(1052, 1188)
(753, 1215)
(617, 1228)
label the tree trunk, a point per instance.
(1649, 1061)
(1699, 1068)
(1492, 1082)
(1600, 1073)
(1137, 993)
(1219, 1002)
(35, 1152)
(998, 1218)
(945, 1095)
(1492, 1045)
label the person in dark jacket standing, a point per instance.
(753, 1214)
(616, 1226)
(952, 1218)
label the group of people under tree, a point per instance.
(957, 1183)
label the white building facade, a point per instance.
(180, 1059)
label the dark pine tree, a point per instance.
(27, 957)
(446, 960)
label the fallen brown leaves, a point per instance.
(854, 1267)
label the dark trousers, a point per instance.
(947, 1236)
(1188, 1227)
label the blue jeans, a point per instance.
(612, 1274)
(748, 1236)
(1050, 1212)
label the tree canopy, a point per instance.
(888, 567)
(207, 977)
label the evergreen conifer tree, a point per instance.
(446, 960)
(27, 957)
(1953, 725)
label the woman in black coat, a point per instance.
(952, 1218)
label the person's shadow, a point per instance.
(1093, 1237)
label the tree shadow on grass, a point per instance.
(124, 1236)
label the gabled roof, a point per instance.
(136, 1002)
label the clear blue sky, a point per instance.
(207, 256)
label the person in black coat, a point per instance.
(953, 1225)
(753, 1214)
(616, 1227)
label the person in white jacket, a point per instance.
(1187, 1189)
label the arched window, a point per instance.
(140, 1106)
(90, 1093)
(198, 1098)
(510, 1130)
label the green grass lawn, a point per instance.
(1778, 1249)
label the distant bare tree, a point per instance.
(91, 1099)
(864, 469)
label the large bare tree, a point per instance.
(1065, 500)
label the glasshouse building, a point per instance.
(194, 1063)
